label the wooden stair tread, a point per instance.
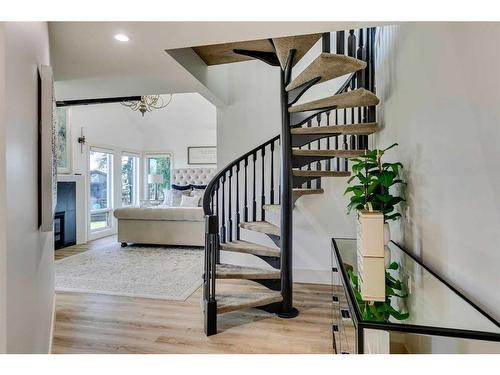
(262, 227)
(350, 99)
(216, 54)
(328, 153)
(231, 271)
(353, 129)
(327, 66)
(307, 173)
(298, 192)
(240, 246)
(275, 208)
(301, 44)
(233, 302)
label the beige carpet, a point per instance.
(171, 273)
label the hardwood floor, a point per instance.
(92, 323)
(73, 250)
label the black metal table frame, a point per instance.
(360, 325)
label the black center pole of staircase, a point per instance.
(287, 309)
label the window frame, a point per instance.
(137, 177)
(157, 154)
(109, 229)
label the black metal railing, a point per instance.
(360, 44)
(239, 191)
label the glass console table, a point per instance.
(427, 316)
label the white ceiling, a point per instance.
(89, 63)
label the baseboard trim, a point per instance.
(52, 324)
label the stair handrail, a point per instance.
(207, 209)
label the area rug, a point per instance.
(171, 273)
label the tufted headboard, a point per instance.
(195, 176)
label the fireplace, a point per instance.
(59, 230)
(65, 216)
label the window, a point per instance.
(158, 165)
(100, 176)
(130, 176)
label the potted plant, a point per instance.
(371, 184)
(381, 311)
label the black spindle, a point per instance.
(337, 160)
(271, 192)
(229, 206)
(223, 209)
(238, 201)
(318, 163)
(340, 43)
(262, 191)
(245, 210)
(361, 82)
(351, 50)
(254, 201)
(217, 204)
(308, 184)
(329, 161)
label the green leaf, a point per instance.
(393, 166)
(352, 189)
(393, 266)
(372, 187)
(351, 178)
(357, 199)
(386, 198)
(391, 146)
(397, 314)
(386, 178)
(395, 200)
(394, 216)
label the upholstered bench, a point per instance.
(163, 225)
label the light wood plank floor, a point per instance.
(92, 323)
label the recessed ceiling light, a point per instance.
(122, 37)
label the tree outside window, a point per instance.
(129, 180)
(159, 165)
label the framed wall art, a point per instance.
(63, 140)
(47, 170)
(202, 155)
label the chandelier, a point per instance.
(147, 103)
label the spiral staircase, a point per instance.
(269, 179)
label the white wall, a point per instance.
(27, 285)
(438, 84)
(3, 200)
(251, 117)
(189, 120)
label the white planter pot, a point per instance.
(387, 239)
(387, 234)
(387, 256)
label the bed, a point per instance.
(168, 224)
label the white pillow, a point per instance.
(173, 197)
(188, 201)
(198, 193)
(167, 201)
